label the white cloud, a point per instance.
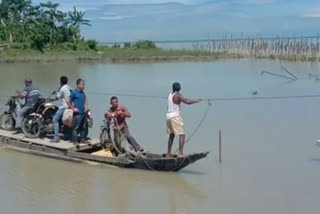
(153, 1)
(112, 17)
(310, 11)
(314, 15)
(110, 14)
(104, 2)
(256, 2)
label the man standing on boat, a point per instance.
(63, 94)
(174, 119)
(78, 102)
(120, 113)
(31, 94)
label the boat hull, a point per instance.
(157, 162)
(66, 151)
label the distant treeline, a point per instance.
(142, 44)
(24, 25)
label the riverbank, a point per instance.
(123, 55)
(108, 55)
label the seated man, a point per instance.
(120, 113)
(31, 94)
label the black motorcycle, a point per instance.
(40, 122)
(8, 118)
(111, 138)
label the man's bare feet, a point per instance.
(181, 156)
(169, 155)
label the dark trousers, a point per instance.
(130, 139)
(78, 127)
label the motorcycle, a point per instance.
(8, 118)
(111, 138)
(40, 122)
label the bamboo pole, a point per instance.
(220, 146)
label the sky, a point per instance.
(131, 20)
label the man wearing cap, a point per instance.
(31, 94)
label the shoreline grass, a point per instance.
(103, 54)
(120, 55)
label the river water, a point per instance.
(270, 161)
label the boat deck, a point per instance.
(8, 137)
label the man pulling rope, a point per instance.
(174, 119)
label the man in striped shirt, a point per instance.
(31, 94)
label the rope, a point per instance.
(265, 98)
(199, 124)
(182, 162)
(146, 162)
(206, 99)
(215, 99)
(127, 95)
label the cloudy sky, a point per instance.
(130, 20)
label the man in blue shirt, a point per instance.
(31, 94)
(78, 102)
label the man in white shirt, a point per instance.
(63, 93)
(174, 119)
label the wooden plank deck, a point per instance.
(62, 145)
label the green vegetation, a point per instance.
(145, 44)
(42, 27)
(142, 44)
(42, 32)
(105, 54)
(34, 33)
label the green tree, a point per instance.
(53, 18)
(145, 44)
(14, 14)
(40, 26)
(76, 18)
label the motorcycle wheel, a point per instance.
(7, 122)
(32, 127)
(107, 142)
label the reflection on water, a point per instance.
(38, 182)
(270, 162)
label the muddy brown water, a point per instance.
(270, 161)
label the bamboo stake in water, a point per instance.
(220, 147)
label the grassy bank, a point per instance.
(104, 54)
(123, 55)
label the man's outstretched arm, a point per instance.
(189, 101)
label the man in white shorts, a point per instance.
(174, 119)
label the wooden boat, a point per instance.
(95, 153)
